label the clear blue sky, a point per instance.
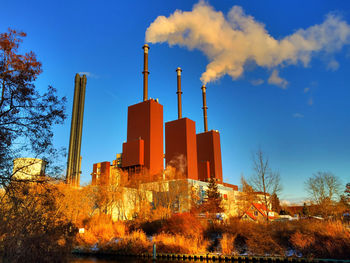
(303, 126)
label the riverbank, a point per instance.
(186, 235)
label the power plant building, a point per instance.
(181, 147)
(144, 146)
(209, 156)
(180, 140)
(196, 156)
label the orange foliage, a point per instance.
(185, 224)
(76, 204)
(32, 228)
(227, 244)
(322, 240)
(301, 241)
(101, 230)
(135, 243)
(167, 243)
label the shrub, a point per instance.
(184, 224)
(322, 240)
(135, 243)
(227, 244)
(253, 238)
(167, 243)
(100, 229)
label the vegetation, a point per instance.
(264, 180)
(26, 116)
(48, 215)
(32, 227)
(213, 200)
(324, 192)
(307, 238)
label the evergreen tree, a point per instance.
(305, 210)
(347, 192)
(213, 200)
(275, 203)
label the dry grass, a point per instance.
(184, 224)
(101, 230)
(135, 243)
(183, 233)
(251, 238)
(322, 240)
(167, 243)
(227, 244)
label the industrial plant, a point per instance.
(196, 156)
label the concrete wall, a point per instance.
(28, 168)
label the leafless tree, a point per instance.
(323, 189)
(264, 180)
(322, 186)
(246, 197)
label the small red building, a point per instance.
(101, 173)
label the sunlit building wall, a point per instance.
(28, 169)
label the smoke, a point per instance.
(230, 41)
(277, 80)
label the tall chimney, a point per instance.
(74, 158)
(145, 72)
(179, 92)
(205, 108)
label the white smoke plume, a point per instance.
(230, 41)
(275, 79)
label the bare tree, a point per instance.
(264, 180)
(246, 197)
(323, 189)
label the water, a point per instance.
(104, 259)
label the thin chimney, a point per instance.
(179, 92)
(145, 72)
(204, 94)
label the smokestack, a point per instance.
(205, 108)
(145, 72)
(179, 92)
(74, 158)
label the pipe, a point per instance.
(145, 72)
(204, 94)
(179, 92)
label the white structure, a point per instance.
(174, 195)
(28, 169)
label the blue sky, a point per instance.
(302, 126)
